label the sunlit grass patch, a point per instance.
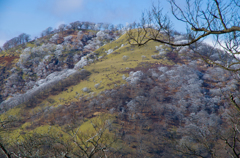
(109, 70)
(15, 112)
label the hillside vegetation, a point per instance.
(81, 92)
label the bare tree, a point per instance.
(218, 19)
(62, 28)
(96, 143)
(68, 142)
(47, 31)
(111, 27)
(27, 38)
(81, 25)
(91, 25)
(105, 26)
(21, 39)
(6, 45)
(215, 18)
(232, 137)
(75, 25)
(4, 126)
(99, 26)
(119, 26)
(86, 24)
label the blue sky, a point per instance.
(33, 16)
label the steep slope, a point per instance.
(104, 65)
(37, 64)
(157, 97)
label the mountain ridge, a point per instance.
(151, 93)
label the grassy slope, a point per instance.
(108, 71)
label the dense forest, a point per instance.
(143, 90)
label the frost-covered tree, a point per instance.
(68, 39)
(21, 39)
(134, 77)
(219, 18)
(61, 28)
(54, 38)
(105, 26)
(47, 31)
(125, 58)
(75, 25)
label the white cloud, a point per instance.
(66, 6)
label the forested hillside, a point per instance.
(84, 91)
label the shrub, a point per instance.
(87, 90)
(109, 51)
(144, 57)
(97, 85)
(125, 58)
